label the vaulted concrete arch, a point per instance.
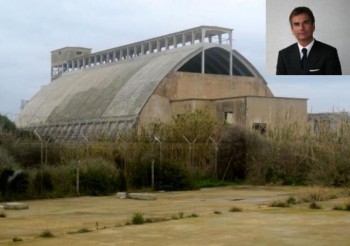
(118, 95)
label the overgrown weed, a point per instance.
(47, 234)
(315, 205)
(280, 204)
(235, 209)
(17, 239)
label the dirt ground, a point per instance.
(201, 217)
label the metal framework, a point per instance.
(201, 34)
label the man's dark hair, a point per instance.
(299, 11)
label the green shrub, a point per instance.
(168, 176)
(19, 184)
(63, 178)
(98, 177)
(14, 184)
(57, 181)
(206, 183)
(17, 239)
(338, 207)
(193, 215)
(137, 219)
(232, 152)
(235, 209)
(27, 154)
(43, 182)
(2, 214)
(280, 204)
(4, 176)
(6, 159)
(172, 176)
(6, 125)
(315, 205)
(83, 230)
(174, 217)
(342, 208)
(291, 200)
(46, 234)
(293, 179)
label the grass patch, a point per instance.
(236, 209)
(174, 217)
(180, 215)
(139, 219)
(155, 220)
(315, 205)
(338, 207)
(342, 208)
(208, 183)
(292, 200)
(217, 212)
(47, 234)
(149, 220)
(320, 194)
(83, 230)
(280, 204)
(193, 215)
(17, 239)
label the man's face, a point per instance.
(303, 28)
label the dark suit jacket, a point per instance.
(322, 60)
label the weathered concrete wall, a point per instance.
(236, 106)
(61, 56)
(187, 106)
(157, 109)
(208, 86)
(276, 112)
(248, 99)
(187, 92)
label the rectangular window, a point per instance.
(229, 117)
(261, 127)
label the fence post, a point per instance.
(78, 178)
(216, 149)
(41, 159)
(124, 147)
(87, 144)
(191, 146)
(156, 138)
(152, 173)
(46, 142)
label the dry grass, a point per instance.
(317, 194)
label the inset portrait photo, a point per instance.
(307, 37)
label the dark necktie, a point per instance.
(304, 61)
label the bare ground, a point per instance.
(107, 217)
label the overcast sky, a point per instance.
(31, 29)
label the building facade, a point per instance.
(153, 81)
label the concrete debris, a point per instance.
(138, 196)
(16, 206)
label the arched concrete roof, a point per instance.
(119, 90)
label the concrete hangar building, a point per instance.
(153, 81)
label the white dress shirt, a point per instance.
(308, 47)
